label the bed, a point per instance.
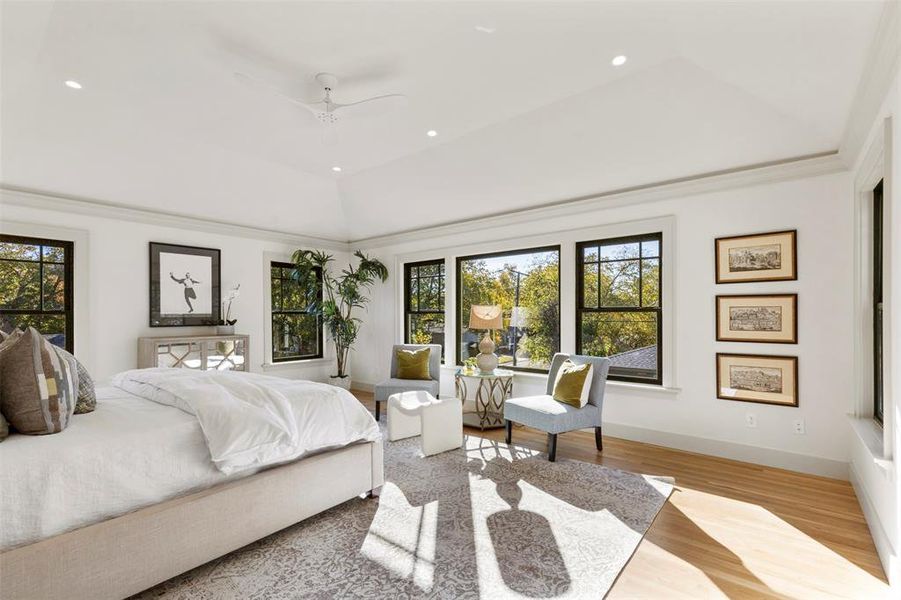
(128, 496)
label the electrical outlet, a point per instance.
(751, 420)
(798, 425)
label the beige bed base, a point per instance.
(123, 556)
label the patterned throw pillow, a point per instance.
(87, 396)
(38, 385)
(413, 364)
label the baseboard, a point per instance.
(803, 463)
(884, 547)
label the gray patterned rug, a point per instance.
(487, 521)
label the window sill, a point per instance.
(870, 435)
(305, 362)
(612, 385)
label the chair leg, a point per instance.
(509, 433)
(598, 441)
(378, 410)
(552, 447)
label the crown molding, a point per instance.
(881, 68)
(15, 196)
(811, 165)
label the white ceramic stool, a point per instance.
(439, 422)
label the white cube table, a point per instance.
(439, 422)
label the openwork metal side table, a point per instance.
(483, 396)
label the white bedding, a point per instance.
(128, 454)
(251, 420)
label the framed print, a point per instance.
(757, 378)
(767, 318)
(757, 257)
(184, 285)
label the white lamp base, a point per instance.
(486, 359)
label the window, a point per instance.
(424, 303)
(618, 305)
(877, 303)
(526, 285)
(296, 332)
(36, 287)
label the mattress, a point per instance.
(128, 454)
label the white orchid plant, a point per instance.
(227, 305)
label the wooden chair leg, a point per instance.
(378, 410)
(552, 447)
(598, 441)
(508, 437)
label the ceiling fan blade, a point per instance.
(313, 107)
(378, 105)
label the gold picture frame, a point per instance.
(763, 318)
(757, 257)
(759, 378)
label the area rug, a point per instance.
(486, 521)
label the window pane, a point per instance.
(590, 254)
(650, 282)
(528, 280)
(590, 286)
(426, 329)
(276, 288)
(52, 327)
(20, 285)
(294, 336)
(650, 249)
(430, 294)
(292, 296)
(414, 294)
(619, 251)
(619, 283)
(19, 251)
(628, 338)
(54, 254)
(54, 287)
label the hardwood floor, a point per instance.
(732, 529)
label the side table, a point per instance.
(485, 407)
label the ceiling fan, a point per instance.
(326, 109)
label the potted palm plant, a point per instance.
(341, 296)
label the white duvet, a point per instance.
(251, 421)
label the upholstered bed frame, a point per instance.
(122, 556)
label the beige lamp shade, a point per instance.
(489, 316)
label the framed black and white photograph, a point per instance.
(184, 285)
(757, 378)
(765, 318)
(757, 257)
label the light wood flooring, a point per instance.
(732, 529)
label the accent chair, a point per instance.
(546, 414)
(393, 385)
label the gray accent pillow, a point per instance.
(38, 385)
(87, 396)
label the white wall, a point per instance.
(112, 284)
(691, 416)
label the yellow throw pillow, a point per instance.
(413, 364)
(572, 384)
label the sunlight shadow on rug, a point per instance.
(402, 537)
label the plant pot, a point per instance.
(341, 382)
(225, 329)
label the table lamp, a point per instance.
(487, 317)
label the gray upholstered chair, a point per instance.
(545, 413)
(393, 385)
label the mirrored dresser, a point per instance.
(201, 352)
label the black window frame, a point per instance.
(878, 306)
(68, 263)
(408, 268)
(580, 297)
(273, 312)
(458, 358)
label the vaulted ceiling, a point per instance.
(523, 95)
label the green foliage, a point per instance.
(341, 295)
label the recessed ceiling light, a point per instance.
(618, 61)
(73, 84)
(485, 29)
(431, 133)
(336, 169)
